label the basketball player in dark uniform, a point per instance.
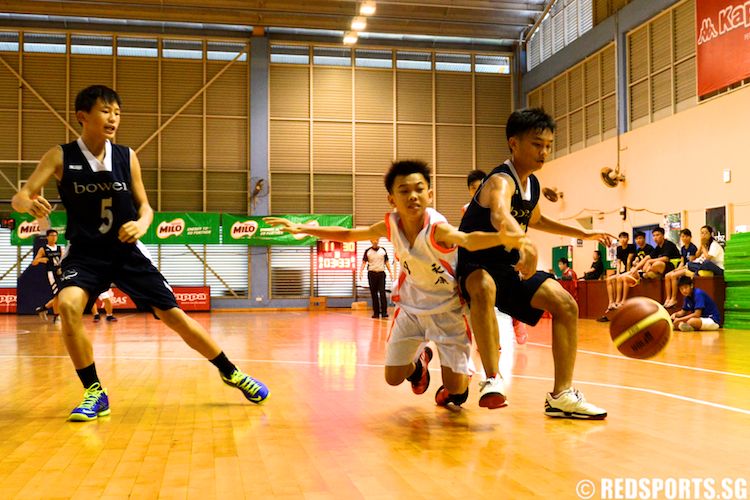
(508, 199)
(102, 190)
(50, 255)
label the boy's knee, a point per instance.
(394, 375)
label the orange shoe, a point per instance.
(423, 383)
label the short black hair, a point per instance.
(564, 260)
(686, 232)
(658, 230)
(640, 233)
(623, 234)
(598, 253)
(474, 176)
(709, 229)
(684, 280)
(406, 167)
(87, 97)
(50, 231)
(528, 119)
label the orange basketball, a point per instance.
(640, 328)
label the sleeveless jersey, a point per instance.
(53, 257)
(427, 283)
(477, 218)
(98, 203)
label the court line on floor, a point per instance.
(660, 363)
(370, 365)
(622, 358)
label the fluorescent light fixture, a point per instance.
(359, 23)
(367, 8)
(350, 38)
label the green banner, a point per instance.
(183, 228)
(28, 228)
(252, 231)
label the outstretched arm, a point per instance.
(448, 236)
(39, 258)
(542, 223)
(334, 233)
(27, 199)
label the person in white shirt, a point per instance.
(710, 256)
(375, 259)
(428, 304)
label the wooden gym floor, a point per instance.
(332, 428)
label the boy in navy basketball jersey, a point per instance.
(102, 190)
(508, 201)
(50, 255)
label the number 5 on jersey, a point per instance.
(107, 216)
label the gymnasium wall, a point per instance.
(673, 165)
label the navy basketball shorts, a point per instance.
(513, 296)
(128, 266)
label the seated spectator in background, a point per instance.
(699, 311)
(597, 268)
(631, 278)
(660, 260)
(473, 181)
(625, 257)
(711, 255)
(568, 280)
(688, 253)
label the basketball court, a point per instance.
(332, 428)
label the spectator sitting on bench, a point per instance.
(699, 311)
(642, 255)
(660, 261)
(625, 257)
(688, 252)
(597, 268)
(711, 255)
(568, 279)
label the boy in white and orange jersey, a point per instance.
(429, 306)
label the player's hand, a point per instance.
(605, 239)
(287, 226)
(39, 207)
(526, 265)
(131, 231)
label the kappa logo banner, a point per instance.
(8, 299)
(723, 43)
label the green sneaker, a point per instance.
(95, 404)
(254, 390)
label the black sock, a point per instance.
(225, 366)
(417, 373)
(459, 399)
(88, 376)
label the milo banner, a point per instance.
(28, 228)
(183, 228)
(252, 231)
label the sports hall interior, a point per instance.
(252, 108)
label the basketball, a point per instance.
(641, 328)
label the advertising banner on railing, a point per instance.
(252, 231)
(8, 300)
(27, 228)
(183, 228)
(189, 298)
(723, 38)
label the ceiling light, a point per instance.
(367, 8)
(359, 23)
(350, 37)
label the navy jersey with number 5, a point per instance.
(98, 198)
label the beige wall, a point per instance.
(672, 165)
